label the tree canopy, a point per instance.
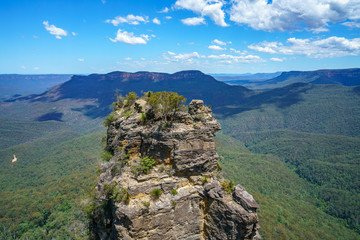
(166, 103)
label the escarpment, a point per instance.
(163, 179)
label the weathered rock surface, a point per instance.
(192, 203)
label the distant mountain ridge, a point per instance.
(100, 89)
(346, 77)
(228, 78)
(92, 95)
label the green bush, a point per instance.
(109, 119)
(204, 179)
(156, 192)
(166, 104)
(126, 114)
(130, 98)
(126, 197)
(173, 192)
(116, 193)
(173, 203)
(106, 156)
(219, 168)
(228, 186)
(145, 204)
(146, 164)
(143, 117)
(119, 103)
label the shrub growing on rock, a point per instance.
(166, 104)
(109, 119)
(228, 186)
(156, 192)
(146, 164)
(106, 156)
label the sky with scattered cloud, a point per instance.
(214, 36)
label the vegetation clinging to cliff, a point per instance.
(166, 103)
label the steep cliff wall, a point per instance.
(163, 181)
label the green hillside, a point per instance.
(317, 136)
(48, 202)
(288, 210)
(326, 109)
(328, 161)
(14, 131)
(43, 193)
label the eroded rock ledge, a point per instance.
(182, 194)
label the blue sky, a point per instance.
(214, 36)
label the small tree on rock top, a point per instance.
(166, 104)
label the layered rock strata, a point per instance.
(180, 194)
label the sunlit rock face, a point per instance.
(182, 195)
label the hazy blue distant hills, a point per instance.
(346, 77)
(19, 84)
(246, 77)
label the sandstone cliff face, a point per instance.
(183, 195)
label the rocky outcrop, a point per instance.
(163, 181)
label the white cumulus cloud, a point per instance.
(164, 10)
(210, 8)
(237, 59)
(193, 21)
(129, 38)
(156, 21)
(216, 48)
(53, 30)
(283, 15)
(182, 57)
(277, 59)
(319, 48)
(81, 59)
(186, 56)
(218, 42)
(352, 24)
(238, 51)
(130, 19)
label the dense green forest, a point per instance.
(288, 209)
(325, 109)
(318, 138)
(14, 131)
(44, 193)
(329, 162)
